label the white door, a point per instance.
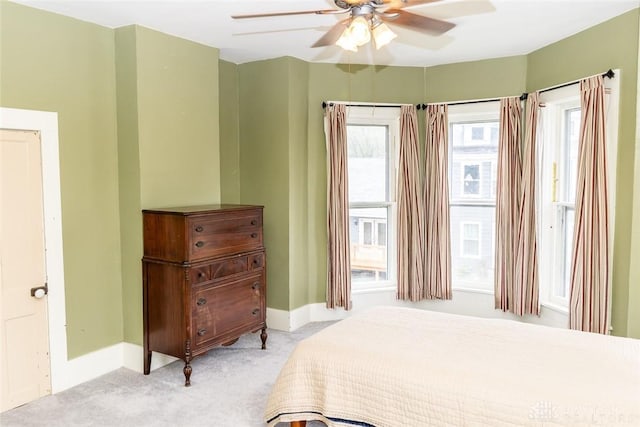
(24, 334)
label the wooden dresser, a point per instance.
(204, 279)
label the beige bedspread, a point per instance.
(405, 367)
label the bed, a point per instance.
(393, 367)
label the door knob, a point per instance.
(40, 291)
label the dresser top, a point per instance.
(202, 209)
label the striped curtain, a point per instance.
(338, 262)
(410, 211)
(526, 291)
(507, 201)
(436, 204)
(589, 300)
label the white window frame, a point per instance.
(468, 114)
(554, 102)
(463, 239)
(553, 204)
(390, 117)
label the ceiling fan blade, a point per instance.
(399, 4)
(301, 12)
(419, 23)
(332, 36)
(461, 8)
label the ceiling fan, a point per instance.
(367, 19)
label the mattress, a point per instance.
(393, 366)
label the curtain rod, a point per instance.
(479, 101)
(609, 74)
(329, 103)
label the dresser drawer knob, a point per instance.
(255, 311)
(201, 332)
(255, 286)
(201, 301)
(199, 229)
(254, 235)
(256, 262)
(200, 274)
(254, 222)
(199, 243)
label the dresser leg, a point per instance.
(263, 337)
(187, 374)
(147, 362)
(187, 363)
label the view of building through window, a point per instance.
(566, 197)
(369, 201)
(472, 167)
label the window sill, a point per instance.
(555, 307)
(372, 289)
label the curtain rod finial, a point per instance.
(524, 96)
(609, 74)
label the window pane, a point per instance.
(382, 233)
(470, 248)
(366, 233)
(472, 206)
(368, 257)
(475, 272)
(367, 146)
(471, 231)
(572, 118)
(569, 222)
(471, 179)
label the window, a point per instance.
(559, 172)
(470, 239)
(473, 157)
(471, 179)
(477, 133)
(371, 134)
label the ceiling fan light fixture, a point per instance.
(359, 31)
(346, 41)
(382, 35)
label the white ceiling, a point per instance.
(502, 28)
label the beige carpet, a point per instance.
(229, 389)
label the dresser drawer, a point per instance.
(218, 310)
(221, 234)
(229, 267)
(199, 274)
(256, 261)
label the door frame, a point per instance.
(47, 124)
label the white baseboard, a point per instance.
(133, 358)
(88, 367)
(291, 320)
(278, 319)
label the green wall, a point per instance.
(264, 157)
(613, 44)
(491, 78)
(229, 133)
(129, 181)
(168, 140)
(298, 78)
(54, 63)
(178, 121)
